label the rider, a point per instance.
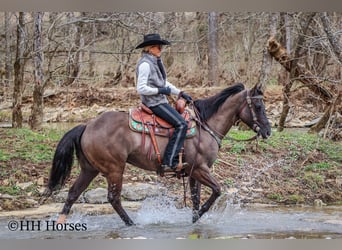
(152, 86)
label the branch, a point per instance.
(336, 47)
(280, 54)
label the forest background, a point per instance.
(53, 50)
(71, 66)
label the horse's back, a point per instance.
(106, 134)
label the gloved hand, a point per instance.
(186, 97)
(164, 91)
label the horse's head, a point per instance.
(253, 112)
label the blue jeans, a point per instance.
(169, 114)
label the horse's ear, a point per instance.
(257, 89)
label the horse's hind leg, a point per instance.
(81, 183)
(114, 195)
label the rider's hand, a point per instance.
(186, 97)
(164, 91)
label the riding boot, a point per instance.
(165, 168)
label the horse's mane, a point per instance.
(209, 106)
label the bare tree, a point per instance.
(19, 65)
(36, 117)
(267, 59)
(212, 48)
(8, 55)
(75, 52)
(336, 46)
(287, 75)
(91, 70)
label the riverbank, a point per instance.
(291, 167)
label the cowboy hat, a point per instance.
(152, 39)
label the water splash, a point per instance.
(162, 210)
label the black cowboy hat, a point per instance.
(152, 39)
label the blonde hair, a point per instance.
(147, 48)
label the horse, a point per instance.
(106, 143)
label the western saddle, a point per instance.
(142, 120)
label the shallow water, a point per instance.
(159, 218)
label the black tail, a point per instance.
(64, 158)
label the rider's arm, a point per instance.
(142, 87)
(174, 89)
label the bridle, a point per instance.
(248, 102)
(219, 137)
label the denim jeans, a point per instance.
(169, 114)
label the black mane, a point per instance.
(209, 106)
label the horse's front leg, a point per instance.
(195, 188)
(203, 176)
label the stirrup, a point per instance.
(181, 166)
(167, 169)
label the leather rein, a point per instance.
(219, 137)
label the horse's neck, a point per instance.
(227, 115)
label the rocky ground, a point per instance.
(253, 175)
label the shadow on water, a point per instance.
(159, 218)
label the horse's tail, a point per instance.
(63, 159)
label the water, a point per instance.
(159, 218)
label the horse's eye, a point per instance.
(258, 105)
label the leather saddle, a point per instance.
(142, 119)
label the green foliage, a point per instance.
(296, 199)
(229, 182)
(296, 143)
(28, 145)
(318, 166)
(11, 190)
(238, 148)
(276, 197)
(313, 180)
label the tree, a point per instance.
(19, 65)
(75, 51)
(336, 46)
(8, 57)
(267, 59)
(36, 117)
(212, 48)
(287, 75)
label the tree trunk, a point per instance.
(19, 64)
(36, 117)
(91, 70)
(300, 73)
(266, 57)
(8, 55)
(333, 40)
(73, 64)
(287, 76)
(212, 49)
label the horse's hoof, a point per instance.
(130, 223)
(195, 217)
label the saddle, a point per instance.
(142, 119)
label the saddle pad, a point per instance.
(161, 127)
